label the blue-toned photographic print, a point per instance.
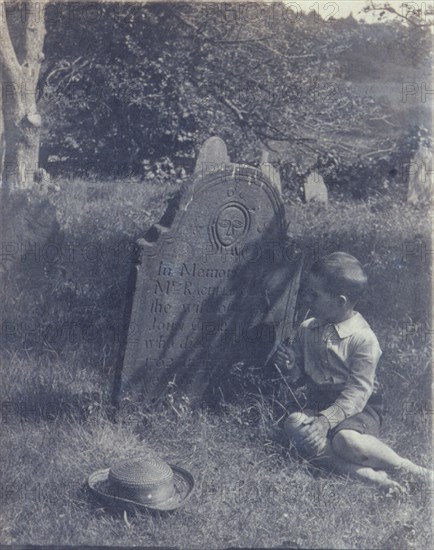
(215, 274)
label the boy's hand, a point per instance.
(316, 430)
(284, 358)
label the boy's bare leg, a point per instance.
(327, 458)
(333, 462)
(367, 450)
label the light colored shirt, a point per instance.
(343, 356)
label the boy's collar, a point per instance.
(344, 328)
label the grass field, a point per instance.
(251, 491)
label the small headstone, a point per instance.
(29, 228)
(315, 189)
(420, 177)
(211, 290)
(212, 157)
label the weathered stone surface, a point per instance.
(315, 189)
(420, 177)
(30, 236)
(29, 227)
(210, 290)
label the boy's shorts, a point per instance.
(368, 421)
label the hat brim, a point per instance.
(99, 484)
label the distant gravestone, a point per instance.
(315, 189)
(30, 231)
(420, 177)
(212, 157)
(211, 290)
(269, 170)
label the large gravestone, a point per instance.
(211, 289)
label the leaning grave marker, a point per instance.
(315, 189)
(212, 288)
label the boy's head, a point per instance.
(335, 284)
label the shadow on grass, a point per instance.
(49, 406)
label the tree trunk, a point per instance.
(21, 130)
(22, 122)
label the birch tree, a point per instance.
(22, 33)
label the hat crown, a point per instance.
(141, 472)
(143, 482)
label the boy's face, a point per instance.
(322, 304)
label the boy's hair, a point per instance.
(342, 274)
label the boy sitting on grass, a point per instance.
(335, 356)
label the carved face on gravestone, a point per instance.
(231, 224)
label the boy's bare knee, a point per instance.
(345, 439)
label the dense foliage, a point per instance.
(133, 90)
